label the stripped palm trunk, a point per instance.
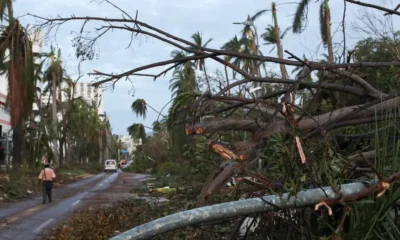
(54, 117)
(278, 42)
(328, 31)
(20, 78)
(100, 146)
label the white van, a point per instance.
(110, 166)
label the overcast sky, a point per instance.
(213, 18)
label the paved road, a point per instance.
(26, 219)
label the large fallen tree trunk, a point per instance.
(329, 118)
(347, 116)
(317, 196)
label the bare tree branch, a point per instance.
(390, 11)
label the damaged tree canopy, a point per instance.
(335, 120)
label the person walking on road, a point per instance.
(46, 176)
(120, 166)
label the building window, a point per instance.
(81, 89)
(4, 108)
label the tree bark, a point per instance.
(61, 147)
(306, 198)
(227, 80)
(100, 148)
(278, 43)
(54, 119)
(329, 118)
(328, 31)
(18, 144)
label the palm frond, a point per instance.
(137, 131)
(208, 41)
(197, 38)
(259, 14)
(300, 16)
(176, 54)
(269, 35)
(322, 23)
(157, 126)
(285, 32)
(139, 107)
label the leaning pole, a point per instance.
(244, 207)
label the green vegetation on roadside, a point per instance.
(22, 183)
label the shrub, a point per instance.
(169, 168)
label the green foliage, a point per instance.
(379, 50)
(269, 35)
(139, 107)
(139, 165)
(300, 16)
(322, 20)
(157, 126)
(137, 131)
(169, 168)
(198, 40)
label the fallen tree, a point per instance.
(317, 197)
(291, 124)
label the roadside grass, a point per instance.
(23, 183)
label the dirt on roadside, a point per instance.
(120, 190)
(112, 211)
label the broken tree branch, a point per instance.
(305, 198)
(374, 6)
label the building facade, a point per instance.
(91, 94)
(129, 143)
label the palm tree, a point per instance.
(274, 36)
(198, 40)
(325, 23)
(17, 62)
(157, 126)
(139, 106)
(249, 40)
(54, 77)
(182, 84)
(298, 71)
(234, 45)
(137, 131)
(200, 64)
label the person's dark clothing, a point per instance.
(46, 192)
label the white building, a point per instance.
(129, 143)
(91, 94)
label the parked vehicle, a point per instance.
(110, 166)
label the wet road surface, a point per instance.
(58, 193)
(27, 219)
